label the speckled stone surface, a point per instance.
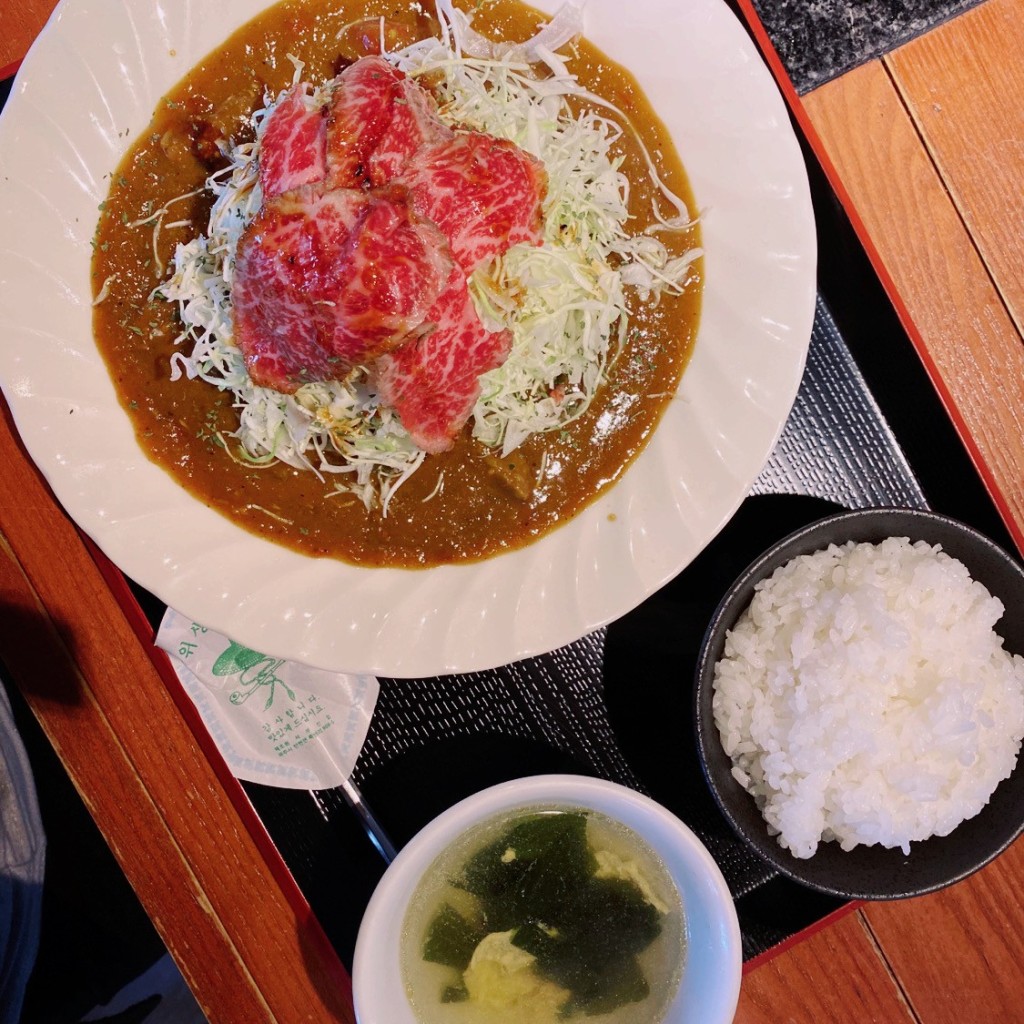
(821, 39)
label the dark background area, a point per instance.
(95, 936)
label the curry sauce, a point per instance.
(486, 504)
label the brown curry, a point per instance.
(487, 504)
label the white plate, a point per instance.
(88, 88)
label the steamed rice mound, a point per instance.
(864, 697)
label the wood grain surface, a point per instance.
(20, 22)
(970, 340)
(972, 121)
(959, 953)
(836, 975)
(154, 792)
(928, 144)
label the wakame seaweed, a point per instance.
(538, 880)
(451, 939)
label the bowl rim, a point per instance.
(736, 598)
(717, 948)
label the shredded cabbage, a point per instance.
(564, 301)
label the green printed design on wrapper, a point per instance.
(254, 670)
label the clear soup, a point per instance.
(545, 915)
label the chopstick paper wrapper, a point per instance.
(275, 722)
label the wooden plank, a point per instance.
(247, 953)
(964, 87)
(971, 345)
(958, 953)
(835, 975)
(78, 730)
(20, 23)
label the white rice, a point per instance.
(864, 697)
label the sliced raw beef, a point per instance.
(374, 215)
(293, 150)
(432, 382)
(414, 123)
(379, 118)
(483, 193)
(325, 280)
(361, 111)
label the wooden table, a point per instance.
(926, 146)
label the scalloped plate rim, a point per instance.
(596, 546)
